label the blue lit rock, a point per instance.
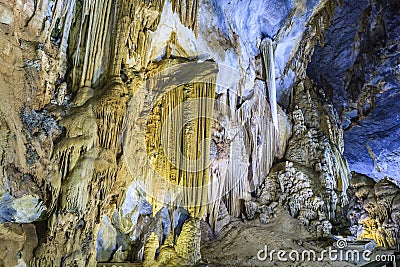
(359, 69)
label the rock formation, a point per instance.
(374, 210)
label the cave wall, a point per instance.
(358, 67)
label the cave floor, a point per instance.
(239, 242)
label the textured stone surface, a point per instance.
(18, 244)
(6, 14)
(312, 183)
(373, 147)
(374, 210)
(239, 243)
(358, 68)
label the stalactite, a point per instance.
(91, 50)
(237, 184)
(145, 17)
(74, 194)
(244, 160)
(342, 174)
(104, 174)
(187, 10)
(185, 130)
(168, 123)
(218, 178)
(110, 112)
(67, 153)
(80, 137)
(93, 127)
(267, 49)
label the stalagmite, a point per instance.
(374, 210)
(316, 146)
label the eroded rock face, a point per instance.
(32, 72)
(18, 244)
(358, 68)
